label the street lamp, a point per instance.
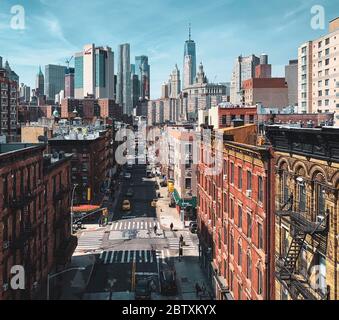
(51, 276)
(72, 202)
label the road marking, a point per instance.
(115, 226)
(134, 256)
(151, 257)
(112, 256)
(137, 225)
(162, 255)
(101, 254)
(129, 224)
(129, 256)
(140, 256)
(106, 257)
(133, 225)
(158, 224)
(120, 225)
(145, 253)
(123, 256)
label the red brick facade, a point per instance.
(34, 217)
(236, 222)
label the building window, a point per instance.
(232, 244)
(249, 225)
(327, 62)
(232, 172)
(232, 209)
(239, 254)
(260, 281)
(260, 236)
(302, 196)
(249, 180)
(240, 178)
(240, 216)
(223, 120)
(327, 41)
(188, 183)
(248, 266)
(260, 189)
(239, 292)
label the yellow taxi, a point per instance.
(126, 205)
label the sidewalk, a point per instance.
(189, 273)
(165, 214)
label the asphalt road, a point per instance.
(126, 258)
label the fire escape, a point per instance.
(301, 226)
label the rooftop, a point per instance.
(12, 147)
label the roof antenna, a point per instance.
(189, 31)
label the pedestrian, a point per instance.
(197, 289)
(155, 229)
(171, 226)
(181, 239)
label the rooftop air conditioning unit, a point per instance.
(248, 193)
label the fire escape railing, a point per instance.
(300, 226)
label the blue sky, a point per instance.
(222, 30)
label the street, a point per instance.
(128, 249)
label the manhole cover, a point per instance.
(184, 280)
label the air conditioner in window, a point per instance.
(35, 285)
(320, 218)
(225, 177)
(6, 245)
(5, 287)
(248, 193)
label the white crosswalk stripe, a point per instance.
(174, 243)
(135, 225)
(90, 241)
(130, 256)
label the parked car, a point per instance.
(168, 282)
(130, 192)
(126, 205)
(142, 290)
(193, 227)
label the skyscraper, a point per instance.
(124, 79)
(94, 72)
(69, 83)
(40, 83)
(190, 61)
(174, 83)
(244, 69)
(54, 80)
(142, 69)
(24, 93)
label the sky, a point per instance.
(222, 29)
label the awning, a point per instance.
(85, 208)
(183, 203)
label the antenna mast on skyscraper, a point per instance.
(189, 31)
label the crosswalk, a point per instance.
(130, 256)
(134, 225)
(90, 241)
(173, 243)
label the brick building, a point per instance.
(34, 217)
(307, 202)
(270, 92)
(235, 214)
(90, 108)
(9, 100)
(92, 162)
(222, 115)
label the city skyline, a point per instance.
(67, 34)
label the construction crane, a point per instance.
(69, 60)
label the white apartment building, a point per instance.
(318, 73)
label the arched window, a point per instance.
(319, 194)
